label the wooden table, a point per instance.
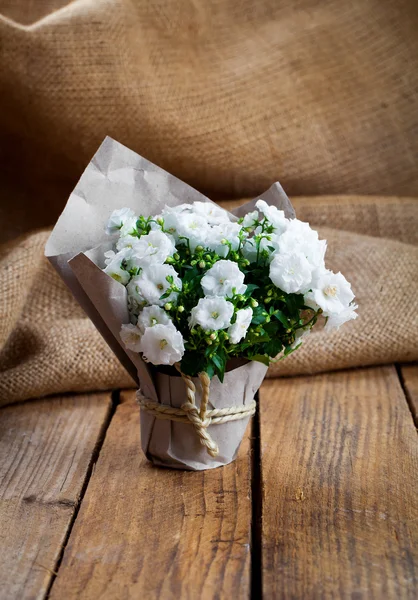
(321, 502)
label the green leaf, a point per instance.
(192, 364)
(261, 358)
(272, 328)
(258, 319)
(282, 318)
(250, 288)
(220, 363)
(259, 315)
(273, 347)
(217, 361)
(210, 370)
(257, 339)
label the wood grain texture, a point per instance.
(146, 532)
(339, 459)
(46, 448)
(409, 374)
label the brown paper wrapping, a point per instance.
(117, 177)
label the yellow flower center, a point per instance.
(331, 290)
(215, 315)
(163, 344)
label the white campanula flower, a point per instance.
(348, 314)
(274, 215)
(135, 299)
(251, 219)
(118, 218)
(185, 224)
(152, 283)
(114, 266)
(249, 250)
(162, 345)
(221, 233)
(131, 337)
(214, 215)
(111, 256)
(269, 244)
(238, 330)
(150, 249)
(223, 279)
(299, 237)
(153, 315)
(169, 218)
(193, 227)
(331, 292)
(129, 227)
(292, 273)
(212, 313)
(126, 241)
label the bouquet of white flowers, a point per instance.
(196, 300)
(203, 288)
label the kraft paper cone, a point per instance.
(115, 178)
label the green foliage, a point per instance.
(277, 319)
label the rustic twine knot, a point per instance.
(201, 417)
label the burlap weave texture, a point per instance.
(229, 95)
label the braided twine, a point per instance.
(190, 414)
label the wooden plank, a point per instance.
(409, 374)
(46, 448)
(147, 532)
(339, 461)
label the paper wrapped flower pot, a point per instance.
(177, 441)
(160, 297)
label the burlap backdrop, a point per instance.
(229, 95)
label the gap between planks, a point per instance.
(408, 376)
(330, 394)
(90, 471)
(61, 531)
(339, 458)
(47, 449)
(150, 532)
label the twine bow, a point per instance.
(191, 414)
